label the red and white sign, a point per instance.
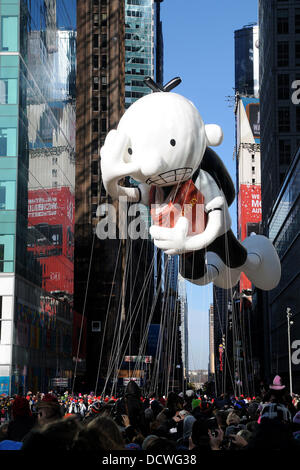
(249, 210)
(51, 215)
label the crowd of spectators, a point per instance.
(185, 422)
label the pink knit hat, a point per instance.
(277, 385)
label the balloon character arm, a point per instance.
(216, 207)
(218, 223)
(174, 241)
(114, 166)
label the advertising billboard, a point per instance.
(252, 108)
(249, 207)
(253, 114)
(51, 214)
(143, 359)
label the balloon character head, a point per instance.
(163, 144)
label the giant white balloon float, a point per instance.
(163, 144)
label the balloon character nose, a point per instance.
(152, 166)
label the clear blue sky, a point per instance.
(199, 47)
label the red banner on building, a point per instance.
(249, 205)
(51, 214)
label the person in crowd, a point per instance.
(130, 405)
(100, 434)
(274, 406)
(183, 442)
(203, 439)
(49, 409)
(233, 422)
(54, 436)
(22, 420)
(129, 421)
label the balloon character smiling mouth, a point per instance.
(163, 144)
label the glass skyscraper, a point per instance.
(141, 46)
(37, 179)
(247, 60)
(139, 38)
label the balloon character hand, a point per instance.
(171, 240)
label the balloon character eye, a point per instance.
(173, 142)
(130, 151)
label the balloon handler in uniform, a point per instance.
(163, 144)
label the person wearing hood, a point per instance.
(183, 444)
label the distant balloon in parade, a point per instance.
(163, 144)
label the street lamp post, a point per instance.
(290, 322)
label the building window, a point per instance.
(103, 40)
(103, 103)
(9, 33)
(95, 104)
(95, 125)
(95, 61)
(283, 89)
(283, 120)
(103, 61)
(95, 146)
(94, 189)
(95, 83)
(8, 142)
(6, 253)
(283, 22)
(298, 119)
(297, 53)
(103, 82)
(95, 167)
(0, 310)
(253, 180)
(103, 125)
(94, 210)
(281, 177)
(284, 151)
(54, 160)
(96, 19)
(96, 326)
(253, 157)
(7, 192)
(283, 54)
(297, 21)
(96, 40)
(103, 19)
(253, 170)
(8, 90)
(54, 173)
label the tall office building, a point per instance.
(100, 84)
(211, 362)
(143, 47)
(284, 231)
(247, 114)
(114, 279)
(279, 48)
(184, 330)
(223, 347)
(37, 148)
(246, 42)
(279, 69)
